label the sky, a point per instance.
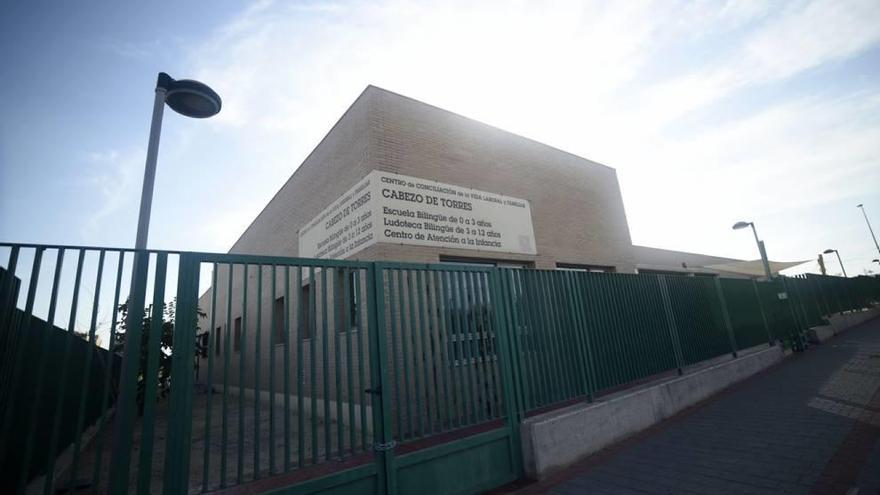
(712, 112)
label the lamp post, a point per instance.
(760, 243)
(829, 251)
(191, 99)
(862, 207)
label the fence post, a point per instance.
(506, 358)
(123, 423)
(726, 316)
(763, 314)
(384, 444)
(671, 326)
(798, 289)
(176, 476)
(797, 344)
(824, 308)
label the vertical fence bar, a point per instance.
(533, 337)
(763, 313)
(242, 353)
(151, 375)
(273, 335)
(384, 441)
(443, 349)
(258, 344)
(87, 369)
(105, 391)
(349, 363)
(451, 358)
(125, 411)
(26, 320)
(513, 407)
(340, 329)
(287, 341)
(362, 386)
(477, 412)
(433, 331)
(59, 401)
(180, 407)
(726, 316)
(412, 295)
(340, 437)
(313, 355)
(424, 335)
(398, 406)
(325, 358)
(7, 310)
(489, 342)
(227, 358)
(213, 342)
(302, 324)
(465, 337)
(41, 364)
(671, 326)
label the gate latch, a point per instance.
(381, 447)
(374, 391)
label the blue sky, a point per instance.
(712, 112)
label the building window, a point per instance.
(278, 313)
(236, 338)
(346, 289)
(574, 267)
(217, 337)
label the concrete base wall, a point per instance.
(556, 439)
(840, 322)
(559, 438)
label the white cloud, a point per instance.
(113, 181)
(589, 77)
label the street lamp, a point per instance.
(761, 250)
(186, 97)
(829, 251)
(862, 207)
(875, 260)
(191, 99)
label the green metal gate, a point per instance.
(339, 377)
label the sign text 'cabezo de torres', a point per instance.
(392, 208)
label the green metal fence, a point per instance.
(262, 373)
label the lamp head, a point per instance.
(190, 98)
(829, 251)
(741, 225)
(859, 205)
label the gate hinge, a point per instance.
(381, 447)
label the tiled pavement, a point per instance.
(809, 425)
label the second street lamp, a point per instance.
(829, 251)
(761, 250)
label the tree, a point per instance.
(166, 345)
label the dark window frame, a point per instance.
(586, 267)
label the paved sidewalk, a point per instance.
(810, 425)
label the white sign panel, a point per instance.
(392, 208)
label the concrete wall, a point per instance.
(840, 322)
(556, 439)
